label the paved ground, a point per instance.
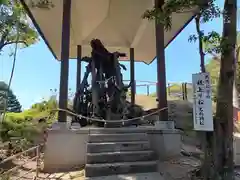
(177, 168)
(172, 169)
(28, 172)
(77, 175)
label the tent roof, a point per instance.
(117, 23)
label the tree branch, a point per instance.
(4, 36)
(200, 37)
(184, 11)
(11, 42)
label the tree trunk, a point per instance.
(206, 137)
(235, 84)
(235, 100)
(200, 45)
(223, 159)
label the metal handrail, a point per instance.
(37, 158)
(150, 82)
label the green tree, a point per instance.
(46, 105)
(223, 157)
(224, 110)
(8, 98)
(14, 21)
(213, 65)
(213, 68)
(13, 104)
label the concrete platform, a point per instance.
(140, 176)
(67, 148)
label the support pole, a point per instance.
(132, 76)
(161, 73)
(79, 57)
(63, 94)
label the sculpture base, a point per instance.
(66, 148)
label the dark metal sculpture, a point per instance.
(106, 97)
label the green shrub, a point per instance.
(23, 126)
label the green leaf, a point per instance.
(14, 21)
(207, 9)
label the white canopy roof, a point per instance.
(117, 23)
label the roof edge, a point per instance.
(37, 27)
(55, 56)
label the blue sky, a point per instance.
(37, 71)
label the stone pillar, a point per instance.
(161, 69)
(63, 95)
(132, 76)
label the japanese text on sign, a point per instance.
(202, 107)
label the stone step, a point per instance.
(118, 146)
(118, 137)
(105, 169)
(117, 124)
(139, 129)
(135, 176)
(113, 157)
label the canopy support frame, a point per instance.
(79, 66)
(63, 93)
(132, 76)
(161, 67)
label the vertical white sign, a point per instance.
(202, 104)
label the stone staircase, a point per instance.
(112, 152)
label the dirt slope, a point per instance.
(180, 111)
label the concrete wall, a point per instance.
(66, 148)
(165, 143)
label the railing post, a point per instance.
(169, 91)
(183, 91)
(147, 90)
